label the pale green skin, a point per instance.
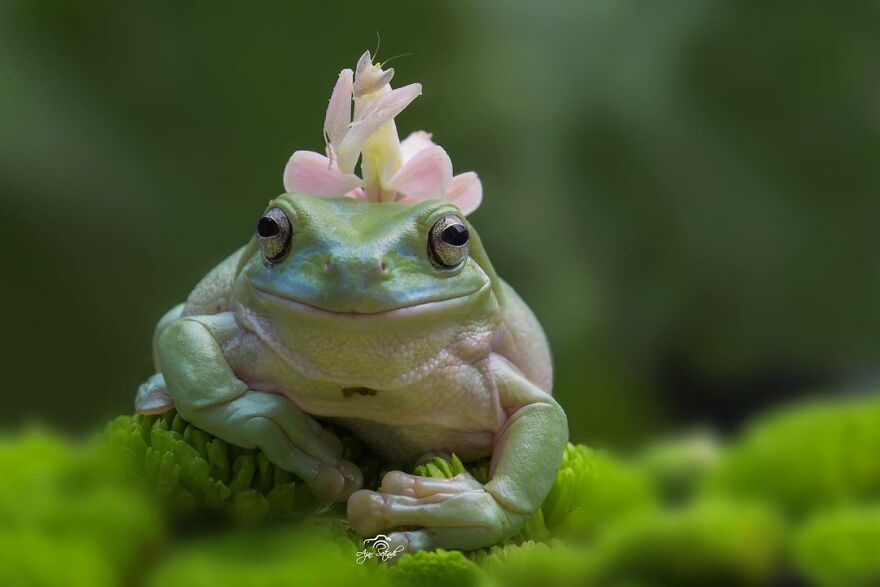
(357, 326)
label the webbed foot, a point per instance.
(152, 397)
(449, 513)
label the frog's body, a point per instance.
(357, 325)
(408, 384)
(355, 322)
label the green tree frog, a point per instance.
(369, 302)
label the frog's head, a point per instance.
(354, 258)
(340, 270)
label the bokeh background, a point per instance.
(687, 194)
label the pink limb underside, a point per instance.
(380, 111)
(312, 173)
(338, 117)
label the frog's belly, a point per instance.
(455, 409)
(404, 444)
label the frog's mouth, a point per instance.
(410, 310)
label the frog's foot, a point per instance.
(449, 513)
(153, 397)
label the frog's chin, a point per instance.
(408, 311)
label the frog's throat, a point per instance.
(434, 306)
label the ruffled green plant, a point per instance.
(440, 467)
(592, 489)
(533, 563)
(840, 548)
(306, 553)
(708, 543)
(193, 470)
(68, 516)
(439, 568)
(806, 458)
(677, 466)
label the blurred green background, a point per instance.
(687, 194)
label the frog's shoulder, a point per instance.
(212, 294)
(522, 340)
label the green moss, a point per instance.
(710, 543)
(303, 554)
(193, 470)
(68, 516)
(592, 489)
(806, 458)
(440, 468)
(439, 568)
(677, 466)
(841, 548)
(534, 563)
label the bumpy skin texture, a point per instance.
(356, 326)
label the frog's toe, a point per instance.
(466, 519)
(152, 397)
(365, 512)
(333, 484)
(400, 483)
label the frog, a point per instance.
(384, 317)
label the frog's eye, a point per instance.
(449, 242)
(273, 233)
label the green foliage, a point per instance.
(534, 563)
(677, 466)
(436, 569)
(191, 469)
(67, 516)
(709, 543)
(440, 468)
(807, 458)
(592, 489)
(841, 548)
(304, 554)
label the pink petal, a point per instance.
(311, 173)
(339, 109)
(414, 143)
(466, 191)
(357, 194)
(427, 175)
(380, 111)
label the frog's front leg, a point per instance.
(207, 393)
(152, 396)
(460, 512)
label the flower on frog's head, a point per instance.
(391, 170)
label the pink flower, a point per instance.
(391, 171)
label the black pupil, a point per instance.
(456, 235)
(267, 227)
